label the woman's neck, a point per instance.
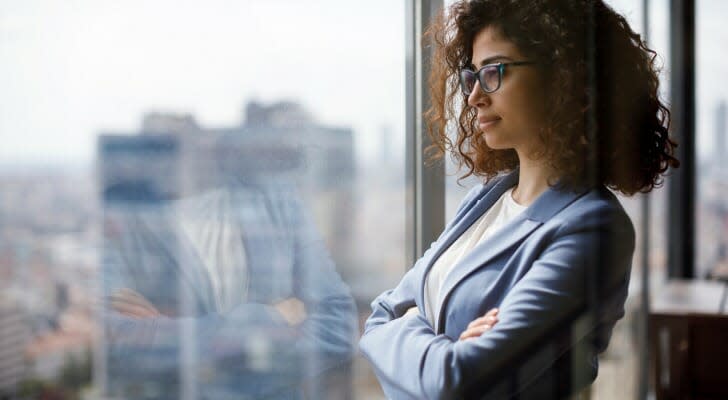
(533, 179)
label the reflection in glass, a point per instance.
(216, 281)
(69, 73)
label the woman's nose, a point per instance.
(478, 97)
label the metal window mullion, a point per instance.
(425, 198)
(582, 326)
(681, 189)
(644, 356)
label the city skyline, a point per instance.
(72, 70)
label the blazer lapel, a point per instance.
(546, 205)
(195, 281)
(479, 207)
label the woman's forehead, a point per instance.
(489, 45)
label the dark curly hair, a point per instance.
(605, 125)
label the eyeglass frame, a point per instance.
(501, 67)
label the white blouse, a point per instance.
(210, 223)
(502, 212)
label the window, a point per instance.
(136, 134)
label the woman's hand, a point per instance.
(132, 304)
(480, 325)
(411, 311)
(292, 310)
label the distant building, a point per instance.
(156, 123)
(721, 130)
(139, 169)
(15, 334)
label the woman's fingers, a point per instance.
(127, 309)
(475, 332)
(490, 320)
(412, 311)
(480, 325)
(491, 317)
(131, 303)
(292, 310)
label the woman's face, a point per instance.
(512, 116)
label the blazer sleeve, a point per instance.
(414, 362)
(389, 307)
(393, 303)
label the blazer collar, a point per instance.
(553, 200)
(550, 202)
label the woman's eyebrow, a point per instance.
(496, 57)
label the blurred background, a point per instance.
(130, 100)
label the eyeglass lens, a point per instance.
(489, 77)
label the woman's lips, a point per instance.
(485, 123)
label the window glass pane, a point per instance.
(190, 193)
(711, 128)
(659, 34)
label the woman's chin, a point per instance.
(496, 143)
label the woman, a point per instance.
(556, 101)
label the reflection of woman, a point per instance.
(556, 101)
(242, 276)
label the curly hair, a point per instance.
(606, 124)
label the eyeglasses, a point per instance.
(490, 76)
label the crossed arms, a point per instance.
(412, 361)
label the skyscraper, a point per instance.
(720, 133)
(14, 333)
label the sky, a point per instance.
(73, 69)
(76, 68)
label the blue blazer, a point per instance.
(568, 252)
